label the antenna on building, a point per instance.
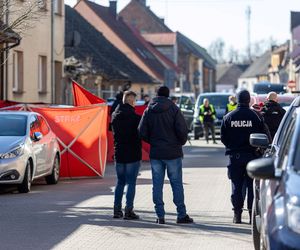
(248, 17)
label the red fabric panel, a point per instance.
(7, 103)
(84, 130)
(82, 97)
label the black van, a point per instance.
(266, 87)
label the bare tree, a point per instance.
(233, 55)
(216, 50)
(20, 16)
(261, 46)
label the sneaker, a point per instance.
(185, 220)
(130, 215)
(118, 214)
(160, 221)
(237, 218)
(215, 142)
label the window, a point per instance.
(42, 80)
(34, 126)
(18, 70)
(44, 129)
(57, 4)
(13, 125)
(285, 147)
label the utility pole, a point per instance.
(248, 18)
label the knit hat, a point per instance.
(163, 91)
(243, 97)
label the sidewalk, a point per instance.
(207, 199)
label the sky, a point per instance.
(206, 20)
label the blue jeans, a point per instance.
(174, 172)
(127, 174)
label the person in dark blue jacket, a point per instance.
(164, 128)
(235, 134)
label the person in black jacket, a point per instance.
(128, 153)
(236, 128)
(272, 113)
(165, 129)
(117, 102)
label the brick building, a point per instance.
(197, 68)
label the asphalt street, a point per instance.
(77, 214)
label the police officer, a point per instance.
(207, 118)
(232, 105)
(235, 133)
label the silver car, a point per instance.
(28, 150)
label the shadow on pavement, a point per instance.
(204, 157)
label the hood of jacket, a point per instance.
(160, 104)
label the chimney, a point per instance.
(113, 8)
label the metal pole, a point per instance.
(52, 78)
(5, 79)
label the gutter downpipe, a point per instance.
(52, 77)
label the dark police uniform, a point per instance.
(235, 133)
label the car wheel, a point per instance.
(25, 186)
(255, 231)
(54, 176)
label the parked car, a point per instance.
(266, 87)
(219, 101)
(186, 103)
(276, 206)
(28, 150)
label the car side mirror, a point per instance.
(37, 136)
(263, 168)
(259, 140)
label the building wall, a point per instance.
(247, 83)
(37, 42)
(143, 89)
(138, 17)
(110, 35)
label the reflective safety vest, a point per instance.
(231, 107)
(202, 110)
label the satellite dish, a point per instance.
(76, 38)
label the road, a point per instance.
(76, 214)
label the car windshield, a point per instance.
(12, 125)
(219, 101)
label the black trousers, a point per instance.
(209, 126)
(237, 173)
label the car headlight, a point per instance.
(13, 153)
(294, 217)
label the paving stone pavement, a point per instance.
(77, 214)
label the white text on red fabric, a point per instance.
(67, 119)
